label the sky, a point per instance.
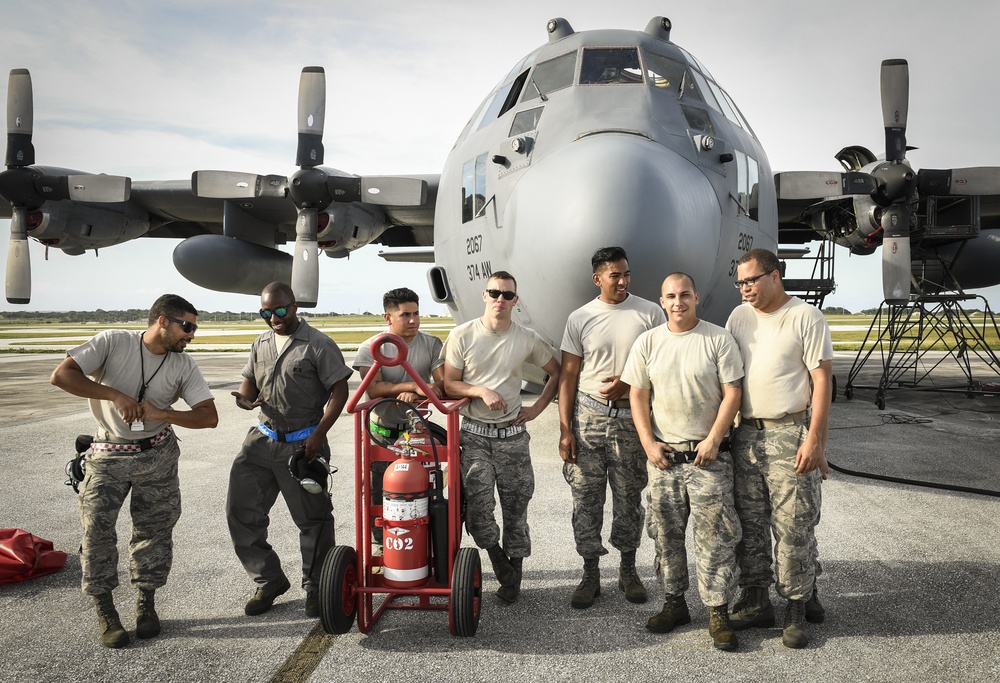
(155, 91)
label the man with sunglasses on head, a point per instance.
(296, 376)
(483, 360)
(779, 449)
(598, 442)
(132, 379)
(423, 353)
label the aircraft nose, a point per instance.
(612, 189)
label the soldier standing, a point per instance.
(134, 379)
(779, 449)
(598, 442)
(691, 370)
(483, 360)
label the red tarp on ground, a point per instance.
(24, 556)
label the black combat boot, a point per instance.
(590, 586)
(794, 633)
(510, 593)
(147, 623)
(753, 609)
(113, 634)
(723, 635)
(503, 567)
(674, 613)
(628, 579)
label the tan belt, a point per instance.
(615, 409)
(491, 431)
(763, 423)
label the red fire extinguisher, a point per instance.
(405, 519)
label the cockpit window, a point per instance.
(555, 74)
(610, 65)
(525, 121)
(671, 75)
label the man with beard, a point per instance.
(132, 379)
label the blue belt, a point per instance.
(299, 435)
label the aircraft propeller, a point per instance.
(27, 188)
(892, 184)
(310, 188)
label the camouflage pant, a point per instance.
(155, 507)
(771, 498)
(607, 452)
(504, 464)
(705, 494)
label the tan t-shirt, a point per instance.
(112, 358)
(493, 360)
(602, 335)
(779, 349)
(685, 372)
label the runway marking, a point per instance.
(300, 664)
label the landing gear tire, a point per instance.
(466, 599)
(338, 601)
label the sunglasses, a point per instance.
(188, 327)
(281, 312)
(507, 296)
(740, 284)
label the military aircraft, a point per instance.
(595, 138)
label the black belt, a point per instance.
(680, 457)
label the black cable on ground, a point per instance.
(914, 482)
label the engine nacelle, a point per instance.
(350, 227)
(75, 227)
(226, 264)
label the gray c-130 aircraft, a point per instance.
(596, 138)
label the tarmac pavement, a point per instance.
(909, 578)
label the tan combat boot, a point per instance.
(723, 635)
(590, 586)
(628, 579)
(147, 623)
(113, 634)
(753, 609)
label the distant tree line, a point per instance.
(131, 315)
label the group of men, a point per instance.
(646, 401)
(676, 389)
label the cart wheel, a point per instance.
(880, 402)
(466, 593)
(849, 392)
(338, 603)
(833, 398)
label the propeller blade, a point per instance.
(305, 262)
(895, 83)
(822, 184)
(18, 260)
(312, 112)
(20, 115)
(896, 255)
(959, 181)
(237, 185)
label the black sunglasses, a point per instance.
(507, 296)
(281, 312)
(188, 327)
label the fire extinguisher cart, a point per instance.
(356, 583)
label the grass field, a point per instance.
(848, 331)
